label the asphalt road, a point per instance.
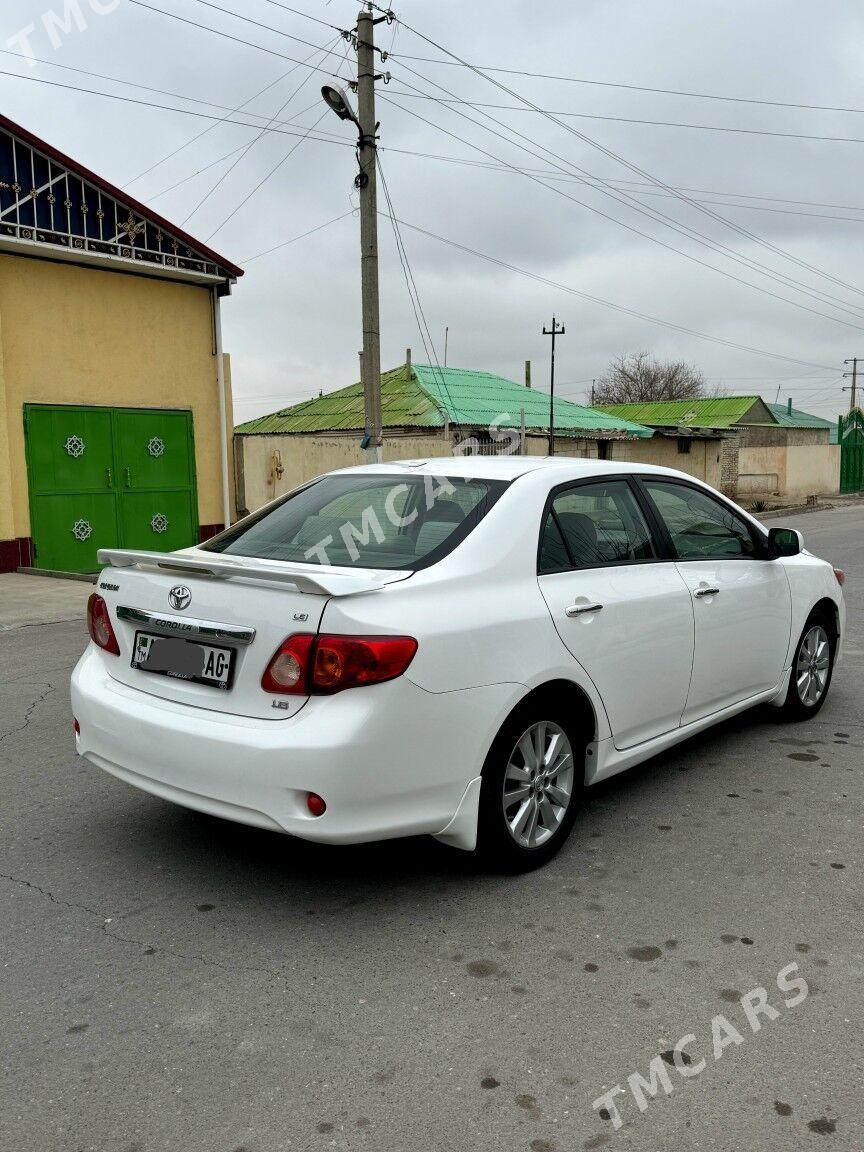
(170, 981)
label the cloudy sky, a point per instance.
(768, 214)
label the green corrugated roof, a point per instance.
(421, 397)
(797, 419)
(716, 412)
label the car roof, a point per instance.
(510, 467)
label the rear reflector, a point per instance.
(308, 665)
(315, 804)
(840, 576)
(77, 727)
(99, 625)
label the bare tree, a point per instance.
(641, 378)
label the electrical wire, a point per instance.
(260, 134)
(324, 137)
(411, 285)
(609, 304)
(623, 197)
(230, 36)
(633, 167)
(284, 159)
(683, 229)
(652, 123)
(294, 239)
(633, 87)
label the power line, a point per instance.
(633, 167)
(630, 87)
(255, 140)
(294, 239)
(411, 285)
(448, 159)
(264, 179)
(324, 138)
(653, 123)
(629, 200)
(609, 304)
(652, 214)
(245, 19)
(230, 36)
(623, 185)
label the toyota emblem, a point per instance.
(180, 597)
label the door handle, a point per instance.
(128, 477)
(579, 609)
(109, 478)
(706, 592)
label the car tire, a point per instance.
(523, 818)
(812, 668)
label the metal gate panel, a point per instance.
(851, 439)
(107, 478)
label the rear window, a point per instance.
(365, 521)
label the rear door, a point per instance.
(624, 613)
(741, 599)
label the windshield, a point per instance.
(365, 521)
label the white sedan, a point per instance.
(455, 647)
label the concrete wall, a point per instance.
(702, 461)
(793, 472)
(71, 334)
(268, 466)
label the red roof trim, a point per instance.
(118, 194)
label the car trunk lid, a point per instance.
(239, 608)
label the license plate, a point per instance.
(184, 659)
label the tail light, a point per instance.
(840, 576)
(307, 665)
(99, 625)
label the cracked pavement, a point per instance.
(169, 980)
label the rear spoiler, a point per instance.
(327, 582)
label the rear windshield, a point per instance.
(365, 521)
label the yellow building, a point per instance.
(115, 401)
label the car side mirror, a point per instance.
(785, 542)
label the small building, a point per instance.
(426, 411)
(767, 449)
(115, 402)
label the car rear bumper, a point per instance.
(389, 759)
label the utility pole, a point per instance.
(593, 382)
(854, 385)
(368, 188)
(554, 331)
(446, 339)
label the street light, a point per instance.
(337, 99)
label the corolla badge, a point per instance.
(180, 597)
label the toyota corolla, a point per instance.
(455, 647)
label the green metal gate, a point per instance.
(851, 439)
(108, 477)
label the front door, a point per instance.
(741, 599)
(625, 615)
(108, 478)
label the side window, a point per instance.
(700, 526)
(593, 525)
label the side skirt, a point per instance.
(605, 760)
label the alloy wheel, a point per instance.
(538, 784)
(812, 666)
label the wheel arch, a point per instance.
(827, 607)
(559, 691)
